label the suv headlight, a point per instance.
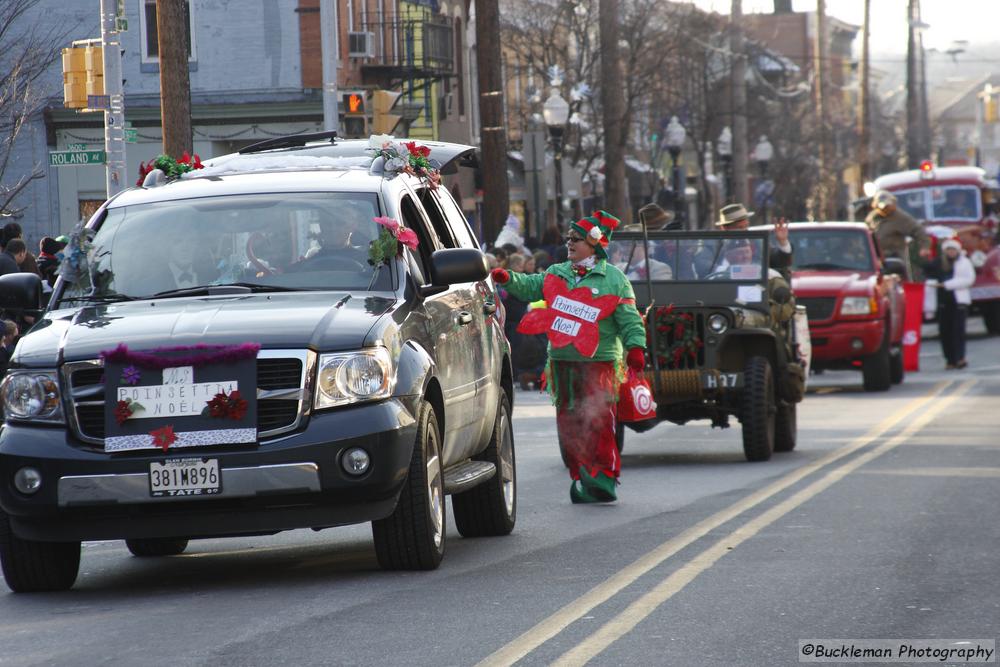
(32, 395)
(856, 305)
(352, 377)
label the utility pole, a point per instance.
(492, 132)
(864, 104)
(912, 93)
(613, 106)
(114, 116)
(738, 94)
(173, 43)
(330, 46)
(925, 124)
(819, 52)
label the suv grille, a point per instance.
(272, 413)
(819, 307)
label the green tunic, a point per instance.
(624, 325)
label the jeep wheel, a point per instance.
(896, 370)
(413, 536)
(875, 368)
(31, 567)
(758, 409)
(491, 507)
(161, 546)
(785, 427)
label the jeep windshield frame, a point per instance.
(287, 241)
(691, 268)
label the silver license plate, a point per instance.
(184, 477)
(722, 380)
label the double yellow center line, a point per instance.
(926, 408)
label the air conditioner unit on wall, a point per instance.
(361, 44)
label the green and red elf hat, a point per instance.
(597, 228)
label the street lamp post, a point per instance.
(675, 136)
(725, 148)
(556, 113)
(762, 154)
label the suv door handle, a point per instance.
(489, 307)
(464, 318)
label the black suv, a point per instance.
(232, 357)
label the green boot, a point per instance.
(602, 487)
(580, 495)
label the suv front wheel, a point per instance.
(30, 566)
(413, 536)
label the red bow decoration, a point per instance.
(572, 316)
(580, 269)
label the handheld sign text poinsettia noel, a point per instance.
(391, 239)
(572, 316)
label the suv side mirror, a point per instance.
(894, 266)
(20, 291)
(458, 265)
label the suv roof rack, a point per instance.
(291, 141)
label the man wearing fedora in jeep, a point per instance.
(734, 217)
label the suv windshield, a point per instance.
(831, 250)
(316, 241)
(724, 259)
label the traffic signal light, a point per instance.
(74, 67)
(355, 123)
(384, 122)
(93, 57)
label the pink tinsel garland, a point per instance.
(226, 354)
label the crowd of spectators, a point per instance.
(514, 253)
(15, 257)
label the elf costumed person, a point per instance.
(590, 319)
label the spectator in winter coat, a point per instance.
(953, 274)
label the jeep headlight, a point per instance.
(717, 323)
(856, 305)
(32, 396)
(352, 377)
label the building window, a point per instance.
(149, 37)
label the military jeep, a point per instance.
(724, 337)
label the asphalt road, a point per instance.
(881, 524)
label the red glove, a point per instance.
(636, 359)
(500, 276)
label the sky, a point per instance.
(977, 21)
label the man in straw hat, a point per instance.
(590, 319)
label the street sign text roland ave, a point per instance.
(76, 158)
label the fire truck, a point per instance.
(956, 201)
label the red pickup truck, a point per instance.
(855, 305)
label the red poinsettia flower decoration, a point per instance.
(421, 151)
(232, 406)
(194, 162)
(144, 169)
(122, 412)
(164, 437)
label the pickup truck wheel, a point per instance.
(162, 546)
(491, 507)
(785, 427)
(31, 567)
(875, 368)
(758, 409)
(413, 536)
(896, 370)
